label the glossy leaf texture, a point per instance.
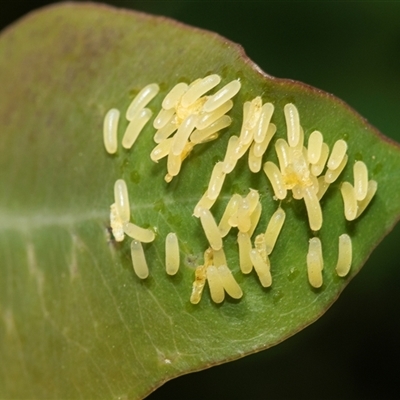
(75, 319)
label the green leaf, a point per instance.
(75, 319)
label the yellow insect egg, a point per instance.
(253, 197)
(332, 175)
(110, 130)
(122, 200)
(198, 284)
(230, 209)
(183, 133)
(282, 151)
(276, 179)
(174, 163)
(219, 257)
(208, 118)
(161, 150)
(337, 154)
(204, 202)
(300, 143)
(318, 167)
(345, 255)
(135, 126)
(263, 123)
(254, 219)
(292, 124)
(243, 216)
(260, 148)
(261, 246)
(222, 96)
(349, 200)
(228, 282)
(251, 116)
(230, 159)
(174, 96)
(363, 204)
(217, 291)
(138, 260)
(138, 233)
(141, 100)
(262, 268)
(255, 162)
(244, 244)
(199, 88)
(216, 181)
(297, 192)
(165, 132)
(315, 263)
(163, 118)
(313, 209)
(233, 220)
(360, 173)
(323, 186)
(244, 131)
(210, 229)
(274, 228)
(116, 224)
(241, 149)
(200, 136)
(314, 147)
(172, 258)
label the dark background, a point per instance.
(350, 49)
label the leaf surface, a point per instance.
(75, 319)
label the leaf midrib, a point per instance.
(43, 218)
